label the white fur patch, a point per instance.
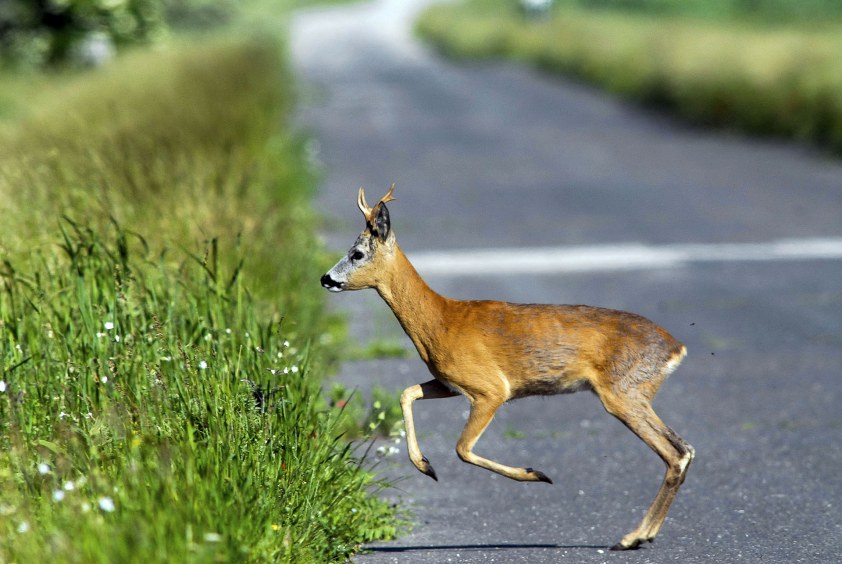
(676, 359)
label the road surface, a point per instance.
(516, 186)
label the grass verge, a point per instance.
(757, 74)
(160, 329)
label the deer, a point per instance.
(494, 352)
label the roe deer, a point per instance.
(493, 352)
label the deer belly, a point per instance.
(550, 385)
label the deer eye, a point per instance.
(357, 255)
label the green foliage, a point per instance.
(160, 336)
(776, 78)
(380, 348)
(49, 31)
(383, 416)
(155, 389)
(386, 409)
(198, 14)
(770, 10)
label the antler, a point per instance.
(371, 213)
(363, 205)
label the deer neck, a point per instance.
(417, 307)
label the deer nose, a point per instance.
(329, 282)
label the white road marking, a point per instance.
(632, 256)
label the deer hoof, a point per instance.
(633, 545)
(428, 469)
(539, 476)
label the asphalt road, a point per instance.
(496, 156)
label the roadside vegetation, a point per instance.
(768, 67)
(162, 337)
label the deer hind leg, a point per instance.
(428, 390)
(482, 412)
(677, 454)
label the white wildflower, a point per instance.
(69, 486)
(213, 537)
(203, 365)
(228, 331)
(58, 495)
(387, 451)
(286, 343)
(85, 507)
(280, 355)
(116, 338)
(208, 337)
(23, 527)
(106, 504)
(109, 325)
(286, 370)
(2, 386)
(89, 415)
(294, 369)
(43, 468)
(104, 379)
(62, 415)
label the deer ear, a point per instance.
(382, 225)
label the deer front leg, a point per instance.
(482, 412)
(428, 390)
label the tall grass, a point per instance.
(760, 75)
(160, 328)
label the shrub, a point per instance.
(53, 31)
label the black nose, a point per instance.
(329, 282)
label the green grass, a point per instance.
(767, 11)
(756, 71)
(382, 417)
(378, 349)
(161, 327)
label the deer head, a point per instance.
(366, 261)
